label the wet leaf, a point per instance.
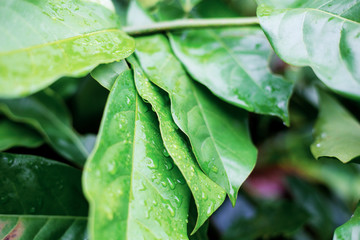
(24, 227)
(46, 113)
(106, 74)
(202, 233)
(207, 194)
(323, 34)
(218, 134)
(351, 229)
(233, 64)
(38, 186)
(18, 135)
(44, 40)
(37, 199)
(337, 132)
(135, 191)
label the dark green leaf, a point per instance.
(67, 87)
(26, 227)
(106, 74)
(207, 194)
(324, 211)
(218, 134)
(337, 132)
(135, 191)
(322, 34)
(48, 115)
(233, 64)
(351, 229)
(44, 40)
(35, 185)
(18, 135)
(276, 219)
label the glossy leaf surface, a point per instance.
(321, 34)
(337, 132)
(218, 133)
(46, 112)
(44, 40)
(106, 74)
(207, 194)
(351, 229)
(25, 227)
(233, 64)
(18, 135)
(135, 191)
(35, 185)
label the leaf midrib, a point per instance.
(132, 165)
(323, 12)
(210, 133)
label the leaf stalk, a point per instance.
(189, 24)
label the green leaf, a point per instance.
(51, 190)
(351, 229)
(324, 211)
(46, 112)
(24, 227)
(337, 132)
(18, 135)
(207, 194)
(281, 218)
(218, 134)
(233, 64)
(135, 191)
(166, 10)
(35, 185)
(106, 74)
(44, 40)
(202, 233)
(324, 35)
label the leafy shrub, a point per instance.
(192, 94)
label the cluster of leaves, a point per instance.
(175, 137)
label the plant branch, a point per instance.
(189, 23)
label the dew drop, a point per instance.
(210, 209)
(128, 101)
(151, 163)
(178, 201)
(165, 152)
(171, 210)
(171, 184)
(111, 167)
(214, 169)
(169, 165)
(204, 196)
